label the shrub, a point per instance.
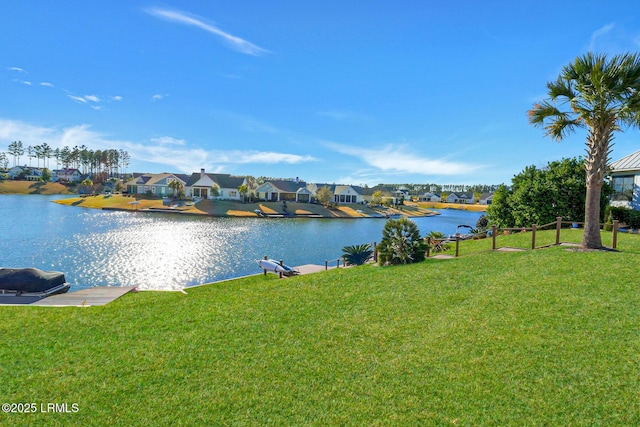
(357, 254)
(437, 242)
(401, 243)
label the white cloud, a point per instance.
(597, 34)
(17, 69)
(234, 42)
(47, 84)
(24, 82)
(116, 98)
(172, 153)
(401, 159)
(157, 97)
(92, 98)
(168, 140)
(79, 99)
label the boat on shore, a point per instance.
(28, 285)
(276, 267)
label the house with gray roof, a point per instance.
(341, 193)
(155, 183)
(200, 185)
(624, 177)
(284, 190)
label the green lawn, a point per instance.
(545, 337)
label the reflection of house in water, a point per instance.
(625, 180)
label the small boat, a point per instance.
(27, 285)
(459, 235)
(276, 267)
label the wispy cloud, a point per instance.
(172, 153)
(47, 84)
(344, 116)
(16, 69)
(235, 43)
(598, 34)
(400, 158)
(168, 140)
(116, 98)
(157, 97)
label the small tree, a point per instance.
(401, 243)
(324, 196)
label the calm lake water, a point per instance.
(156, 251)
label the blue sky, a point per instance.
(333, 91)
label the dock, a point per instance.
(100, 295)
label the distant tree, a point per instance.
(603, 97)
(16, 149)
(376, 197)
(215, 190)
(177, 187)
(46, 175)
(243, 190)
(4, 161)
(324, 196)
(401, 243)
(87, 186)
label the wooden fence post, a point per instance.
(616, 224)
(457, 245)
(265, 271)
(428, 246)
(280, 272)
(326, 265)
(494, 231)
(533, 236)
(558, 228)
(375, 251)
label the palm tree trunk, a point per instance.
(591, 238)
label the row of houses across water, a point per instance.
(204, 185)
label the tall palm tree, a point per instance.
(602, 96)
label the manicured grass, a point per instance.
(31, 187)
(545, 337)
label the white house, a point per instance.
(284, 190)
(460, 198)
(156, 184)
(486, 199)
(341, 193)
(429, 197)
(68, 175)
(625, 180)
(200, 185)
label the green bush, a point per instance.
(401, 243)
(357, 254)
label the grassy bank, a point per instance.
(225, 208)
(30, 187)
(461, 206)
(546, 337)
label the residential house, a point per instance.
(284, 190)
(486, 198)
(155, 184)
(200, 185)
(68, 175)
(464, 198)
(429, 197)
(341, 193)
(27, 173)
(625, 179)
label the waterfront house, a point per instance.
(486, 198)
(284, 190)
(68, 175)
(624, 177)
(341, 193)
(155, 184)
(464, 198)
(429, 197)
(27, 173)
(200, 185)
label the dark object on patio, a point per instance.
(27, 285)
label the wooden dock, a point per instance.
(100, 295)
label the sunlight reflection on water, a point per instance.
(156, 251)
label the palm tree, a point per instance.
(603, 96)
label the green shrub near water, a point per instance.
(519, 338)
